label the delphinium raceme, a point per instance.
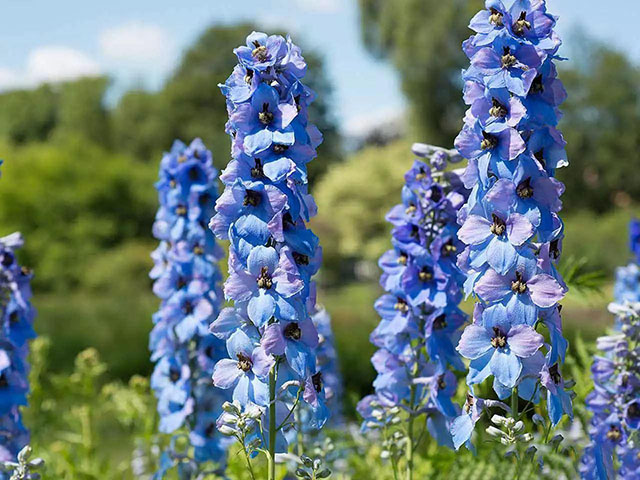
(614, 448)
(511, 225)
(271, 340)
(16, 330)
(187, 280)
(420, 319)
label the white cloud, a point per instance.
(320, 6)
(55, 64)
(49, 64)
(137, 43)
(360, 125)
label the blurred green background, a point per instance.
(78, 180)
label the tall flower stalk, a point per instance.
(187, 280)
(511, 225)
(15, 332)
(614, 448)
(271, 340)
(420, 318)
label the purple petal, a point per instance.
(493, 286)
(226, 373)
(262, 362)
(545, 290)
(519, 229)
(273, 341)
(475, 230)
(524, 341)
(474, 342)
(502, 195)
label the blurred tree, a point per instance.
(602, 127)
(81, 111)
(28, 115)
(423, 40)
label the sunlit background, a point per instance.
(91, 93)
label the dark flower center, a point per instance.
(248, 76)
(279, 148)
(440, 322)
(198, 250)
(209, 351)
(540, 157)
(508, 59)
(14, 317)
(499, 339)
(174, 374)
(415, 231)
(441, 383)
(496, 18)
(252, 198)
(521, 24)
(634, 411)
(256, 170)
(488, 141)
(172, 183)
(182, 158)
(265, 116)
(421, 175)
(518, 285)
(181, 283)
(264, 279)
(187, 307)
(537, 86)
(469, 403)
(204, 198)
(26, 271)
(244, 362)
(7, 259)
(401, 306)
(402, 258)
(449, 248)
(181, 210)
(498, 226)
(259, 52)
(554, 373)
(614, 434)
(426, 274)
(210, 430)
(300, 258)
(194, 174)
(554, 249)
(317, 381)
(292, 331)
(410, 209)
(436, 194)
(497, 109)
(625, 380)
(524, 188)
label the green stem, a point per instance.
(514, 402)
(248, 458)
(272, 424)
(410, 446)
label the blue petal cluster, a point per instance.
(263, 213)
(627, 285)
(420, 318)
(614, 449)
(16, 329)
(510, 226)
(186, 279)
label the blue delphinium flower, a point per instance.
(420, 319)
(187, 280)
(272, 256)
(17, 315)
(614, 449)
(511, 226)
(627, 285)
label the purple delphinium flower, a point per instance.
(420, 318)
(511, 226)
(187, 280)
(627, 285)
(272, 255)
(17, 315)
(614, 451)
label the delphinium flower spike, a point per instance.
(511, 226)
(270, 337)
(420, 318)
(16, 330)
(187, 280)
(614, 448)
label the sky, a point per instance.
(139, 42)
